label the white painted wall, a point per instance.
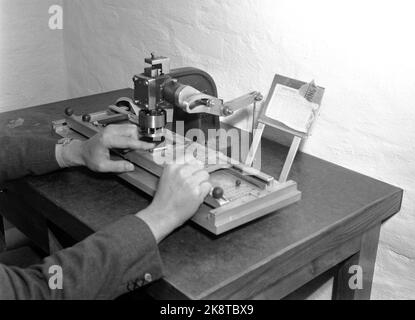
(361, 51)
(32, 68)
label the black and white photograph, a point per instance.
(214, 152)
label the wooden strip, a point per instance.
(255, 144)
(255, 173)
(114, 118)
(254, 210)
(278, 190)
(85, 129)
(96, 116)
(290, 159)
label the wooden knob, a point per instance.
(217, 192)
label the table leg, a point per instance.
(54, 244)
(2, 235)
(354, 277)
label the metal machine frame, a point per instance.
(249, 193)
(215, 215)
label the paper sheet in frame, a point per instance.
(292, 109)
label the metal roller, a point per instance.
(152, 119)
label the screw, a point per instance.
(86, 118)
(259, 97)
(227, 111)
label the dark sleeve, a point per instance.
(119, 258)
(24, 155)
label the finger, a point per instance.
(115, 166)
(195, 162)
(184, 158)
(124, 142)
(190, 160)
(186, 171)
(197, 179)
(196, 150)
(142, 145)
(127, 130)
(200, 176)
(205, 188)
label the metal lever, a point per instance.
(234, 105)
(202, 103)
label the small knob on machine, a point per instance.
(217, 193)
(86, 118)
(69, 111)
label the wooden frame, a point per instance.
(264, 120)
(214, 215)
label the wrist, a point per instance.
(71, 154)
(158, 220)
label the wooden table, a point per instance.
(336, 224)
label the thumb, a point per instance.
(205, 188)
(116, 166)
(145, 145)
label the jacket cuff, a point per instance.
(43, 156)
(135, 239)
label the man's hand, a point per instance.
(181, 190)
(95, 152)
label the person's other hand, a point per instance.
(95, 152)
(181, 190)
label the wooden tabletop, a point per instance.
(337, 206)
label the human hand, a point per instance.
(181, 190)
(94, 153)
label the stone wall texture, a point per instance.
(361, 51)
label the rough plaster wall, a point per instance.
(32, 64)
(359, 50)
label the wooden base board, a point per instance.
(216, 219)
